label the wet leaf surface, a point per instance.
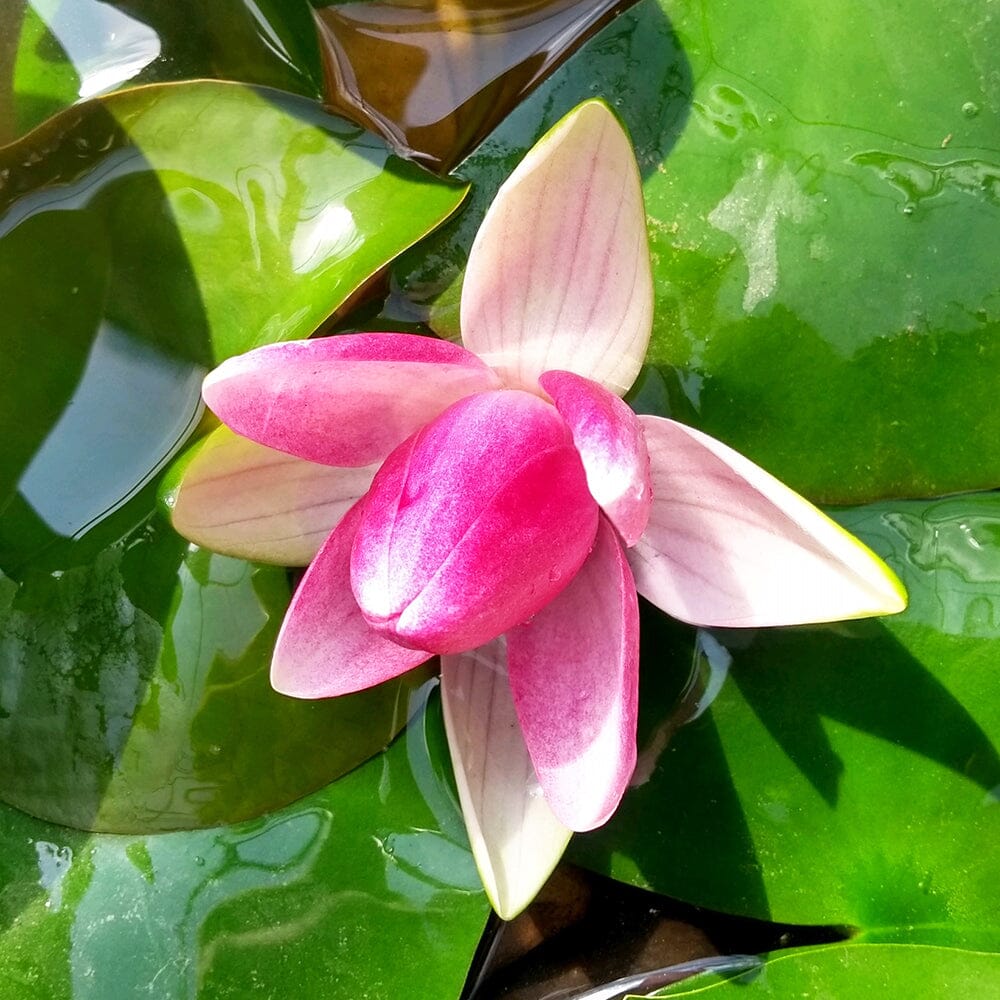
(135, 694)
(341, 895)
(823, 216)
(124, 657)
(54, 54)
(261, 215)
(872, 746)
(846, 970)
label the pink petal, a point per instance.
(516, 840)
(245, 500)
(346, 400)
(473, 524)
(559, 276)
(612, 447)
(729, 545)
(325, 647)
(574, 672)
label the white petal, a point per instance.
(729, 545)
(243, 499)
(559, 274)
(516, 840)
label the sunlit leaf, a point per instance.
(53, 54)
(342, 894)
(825, 224)
(141, 237)
(872, 746)
(850, 970)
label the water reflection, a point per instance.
(54, 862)
(106, 46)
(305, 902)
(62, 51)
(950, 552)
(132, 409)
(330, 231)
(159, 917)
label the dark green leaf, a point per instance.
(823, 192)
(846, 774)
(135, 693)
(340, 896)
(142, 237)
(847, 970)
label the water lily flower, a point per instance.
(497, 504)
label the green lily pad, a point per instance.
(53, 54)
(845, 774)
(142, 237)
(147, 235)
(848, 970)
(135, 694)
(823, 193)
(342, 895)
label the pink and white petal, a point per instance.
(559, 275)
(346, 400)
(612, 446)
(474, 524)
(574, 673)
(516, 840)
(325, 647)
(243, 499)
(729, 545)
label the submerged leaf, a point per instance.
(457, 68)
(130, 686)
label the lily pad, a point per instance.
(824, 220)
(845, 774)
(260, 216)
(849, 970)
(54, 53)
(339, 896)
(135, 693)
(123, 655)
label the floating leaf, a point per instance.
(124, 657)
(54, 54)
(260, 216)
(135, 694)
(872, 746)
(850, 970)
(825, 224)
(342, 894)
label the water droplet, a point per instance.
(970, 109)
(771, 118)
(555, 575)
(199, 860)
(908, 209)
